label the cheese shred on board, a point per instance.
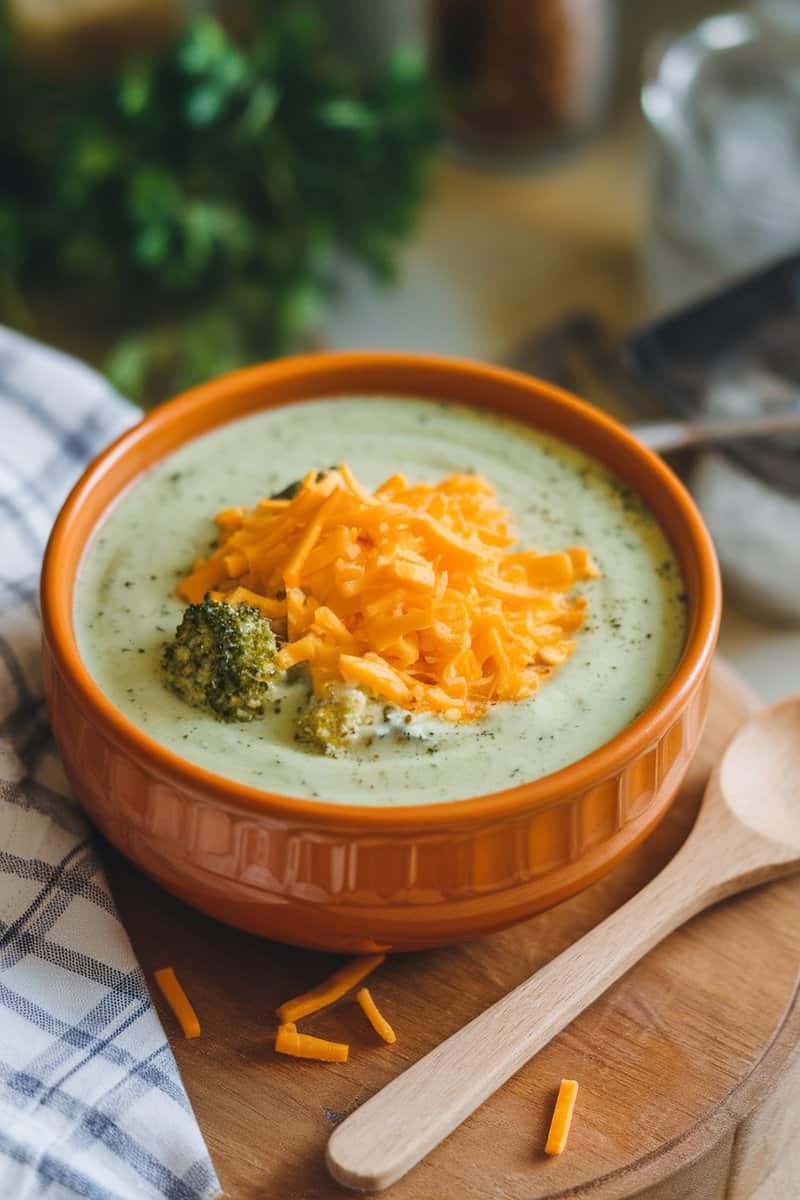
(375, 1016)
(416, 591)
(178, 1001)
(302, 1045)
(331, 989)
(562, 1117)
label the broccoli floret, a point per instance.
(347, 715)
(291, 489)
(287, 493)
(222, 658)
(337, 720)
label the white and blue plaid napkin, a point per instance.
(91, 1102)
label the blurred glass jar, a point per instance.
(521, 78)
(723, 106)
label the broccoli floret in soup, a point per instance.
(222, 658)
(346, 716)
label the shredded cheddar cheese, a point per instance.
(178, 1001)
(302, 1045)
(374, 1016)
(562, 1117)
(330, 990)
(414, 592)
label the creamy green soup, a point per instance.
(125, 607)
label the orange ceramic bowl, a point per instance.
(343, 877)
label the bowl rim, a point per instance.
(301, 371)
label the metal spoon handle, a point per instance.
(664, 436)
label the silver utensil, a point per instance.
(666, 436)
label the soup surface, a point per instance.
(125, 605)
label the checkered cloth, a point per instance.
(91, 1102)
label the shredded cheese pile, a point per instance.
(414, 591)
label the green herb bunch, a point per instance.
(206, 189)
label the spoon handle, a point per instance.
(405, 1120)
(664, 436)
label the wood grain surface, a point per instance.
(684, 1065)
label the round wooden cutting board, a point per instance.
(689, 1068)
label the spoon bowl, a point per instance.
(759, 776)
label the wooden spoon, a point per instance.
(747, 832)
